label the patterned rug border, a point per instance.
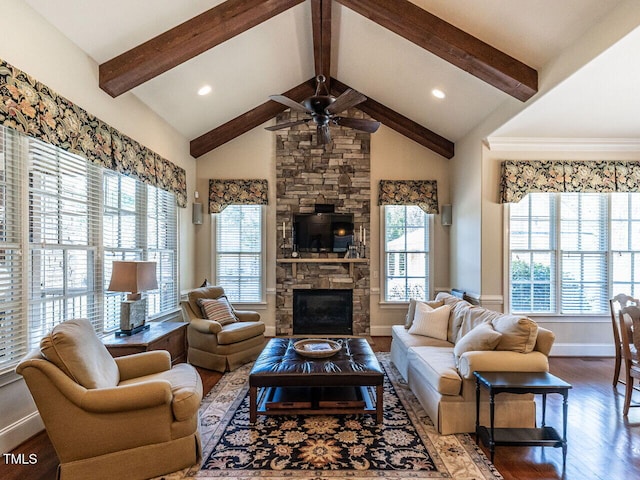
(455, 456)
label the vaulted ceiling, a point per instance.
(481, 53)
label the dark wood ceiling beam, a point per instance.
(321, 23)
(247, 121)
(400, 123)
(451, 44)
(186, 41)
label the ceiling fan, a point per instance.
(324, 108)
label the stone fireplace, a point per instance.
(322, 311)
(307, 174)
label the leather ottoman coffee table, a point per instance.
(283, 382)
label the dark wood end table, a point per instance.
(541, 383)
(170, 336)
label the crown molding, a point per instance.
(547, 144)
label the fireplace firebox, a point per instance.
(322, 312)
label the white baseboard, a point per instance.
(13, 435)
(582, 350)
(269, 331)
(381, 331)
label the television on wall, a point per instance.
(323, 232)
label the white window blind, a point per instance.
(13, 306)
(625, 243)
(406, 253)
(239, 252)
(161, 247)
(578, 248)
(533, 254)
(64, 222)
(122, 234)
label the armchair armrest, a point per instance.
(205, 326)
(136, 396)
(501, 361)
(141, 364)
(106, 400)
(247, 316)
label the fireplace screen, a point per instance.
(322, 312)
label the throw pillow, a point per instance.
(482, 337)
(218, 309)
(431, 322)
(408, 320)
(519, 334)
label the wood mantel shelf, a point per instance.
(295, 261)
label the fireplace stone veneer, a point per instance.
(308, 174)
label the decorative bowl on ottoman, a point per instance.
(317, 347)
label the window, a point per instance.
(569, 252)
(406, 253)
(63, 220)
(239, 256)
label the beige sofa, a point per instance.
(444, 383)
(132, 417)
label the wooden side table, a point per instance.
(170, 336)
(541, 383)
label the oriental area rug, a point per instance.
(405, 445)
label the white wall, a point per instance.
(29, 43)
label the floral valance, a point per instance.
(522, 177)
(30, 107)
(423, 193)
(236, 192)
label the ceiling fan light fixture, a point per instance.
(436, 92)
(204, 90)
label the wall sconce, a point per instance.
(446, 215)
(196, 212)
(133, 278)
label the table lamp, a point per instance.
(133, 278)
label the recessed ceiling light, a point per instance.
(204, 90)
(438, 93)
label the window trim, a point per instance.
(263, 257)
(383, 302)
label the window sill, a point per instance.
(393, 305)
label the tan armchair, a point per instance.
(130, 417)
(221, 347)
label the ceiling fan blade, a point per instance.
(348, 99)
(287, 125)
(370, 126)
(292, 104)
(324, 135)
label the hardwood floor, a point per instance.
(601, 444)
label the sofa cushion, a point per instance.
(482, 337)
(399, 334)
(436, 365)
(74, 348)
(217, 309)
(431, 322)
(518, 333)
(239, 331)
(473, 317)
(408, 320)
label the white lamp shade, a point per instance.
(133, 277)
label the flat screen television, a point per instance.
(323, 232)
